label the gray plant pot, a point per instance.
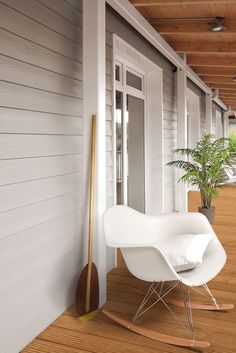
(209, 213)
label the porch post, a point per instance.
(226, 123)
(182, 196)
(208, 112)
(94, 93)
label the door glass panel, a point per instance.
(133, 80)
(119, 147)
(135, 153)
(117, 73)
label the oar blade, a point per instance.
(81, 291)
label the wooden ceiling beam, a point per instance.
(151, 3)
(222, 96)
(197, 27)
(212, 61)
(222, 86)
(227, 102)
(219, 79)
(204, 47)
(215, 71)
(216, 80)
(227, 92)
(232, 104)
(229, 96)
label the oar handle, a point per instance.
(91, 212)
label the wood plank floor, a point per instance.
(101, 335)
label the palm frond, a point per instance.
(205, 165)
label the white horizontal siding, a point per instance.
(22, 146)
(34, 237)
(15, 71)
(34, 54)
(30, 122)
(22, 97)
(41, 159)
(35, 10)
(44, 291)
(21, 194)
(23, 26)
(21, 170)
(19, 219)
(65, 9)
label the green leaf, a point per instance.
(206, 165)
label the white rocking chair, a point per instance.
(142, 240)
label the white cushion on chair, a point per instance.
(186, 250)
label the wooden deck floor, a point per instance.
(69, 335)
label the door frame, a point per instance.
(126, 90)
(194, 114)
(153, 121)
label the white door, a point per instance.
(138, 130)
(193, 121)
(130, 135)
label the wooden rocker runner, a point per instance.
(144, 242)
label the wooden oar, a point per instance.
(87, 292)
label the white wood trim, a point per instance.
(114, 85)
(182, 201)
(94, 95)
(154, 144)
(220, 103)
(132, 16)
(194, 118)
(226, 123)
(153, 121)
(208, 113)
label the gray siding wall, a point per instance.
(203, 113)
(217, 120)
(202, 98)
(115, 24)
(41, 164)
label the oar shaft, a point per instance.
(91, 213)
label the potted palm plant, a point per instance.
(205, 167)
(232, 144)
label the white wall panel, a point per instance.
(22, 97)
(29, 29)
(21, 194)
(19, 170)
(32, 53)
(46, 17)
(14, 71)
(30, 122)
(41, 164)
(20, 146)
(34, 237)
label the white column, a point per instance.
(226, 123)
(182, 196)
(208, 112)
(94, 94)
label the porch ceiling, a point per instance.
(211, 55)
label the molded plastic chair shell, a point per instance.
(143, 240)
